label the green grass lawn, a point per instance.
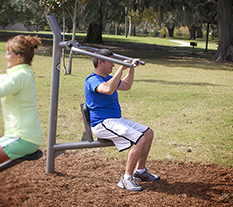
(185, 98)
(201, 43)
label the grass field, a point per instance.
(185, 98)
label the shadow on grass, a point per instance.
(168, 56)
(165, 82)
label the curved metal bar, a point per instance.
(74, 44)
(122, 57)
(81, 145)
(126, 58)
(101, 57)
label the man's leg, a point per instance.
(141, 172)
(137, 156)
(141, 164)
(139, 152)
(134, 155)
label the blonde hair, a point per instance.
(25, 46)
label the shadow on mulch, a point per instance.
(84, 178)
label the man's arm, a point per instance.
(110, 86)
(127, 81)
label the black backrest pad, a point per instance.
(86, 112)
(86, 120)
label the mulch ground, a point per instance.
(85, 178)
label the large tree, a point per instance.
(94, 15)
(225, 28)
(100, 12)
(27, 12)
(97, 14)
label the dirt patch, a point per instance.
(88, 179)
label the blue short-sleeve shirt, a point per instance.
(101, 106)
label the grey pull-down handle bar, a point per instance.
(76, 47)
(75, 44)
(83, 52)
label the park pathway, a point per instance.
(183, 44)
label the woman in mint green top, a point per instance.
(23, 133)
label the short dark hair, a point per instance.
(104, 52)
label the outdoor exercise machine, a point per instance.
(54, 149)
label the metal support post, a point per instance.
(54, 92)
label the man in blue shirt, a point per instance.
(107, 123)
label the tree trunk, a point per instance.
(130, 26)
(192, 32)
(225, 27)
(70, 62)
(199, 32)
(94, 34)
(170, 31)
(73, 36)
(63, 50)
(134, 30)
(126, 20)
(116, 29)
(160, 15)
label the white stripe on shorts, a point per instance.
(9, 141)
(121, 131)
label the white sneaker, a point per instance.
(146, 176)
(129, 184)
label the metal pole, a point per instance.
(126, 58)
(53, 93)
(101, 57)
(81, 145)
(80, 49)
(207, 36)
